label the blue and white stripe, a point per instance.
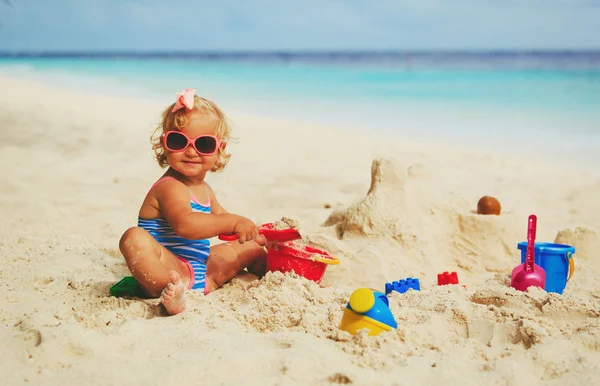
(194, 251)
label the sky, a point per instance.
(229, 25)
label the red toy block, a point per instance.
(447, 278)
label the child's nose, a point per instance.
(191, 152)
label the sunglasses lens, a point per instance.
(176, 141)
(206, 145)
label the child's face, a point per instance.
(189, 162)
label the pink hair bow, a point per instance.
(185, 99)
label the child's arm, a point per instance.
(174, 202)
(215, 206)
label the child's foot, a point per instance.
(173, 296)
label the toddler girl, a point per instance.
(169, 250)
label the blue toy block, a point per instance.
(403, 285)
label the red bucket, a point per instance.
(305, 261)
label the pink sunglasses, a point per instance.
(176, 141)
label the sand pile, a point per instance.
(498, 325)
(405, 212)
(587, 264)
(389, 205)
(484, 243)
(585, 241)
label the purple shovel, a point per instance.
(529, 274)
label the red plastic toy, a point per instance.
(529, 274)
(270, 233)
(305, 261)
(447, 278)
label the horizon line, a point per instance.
(30, 52)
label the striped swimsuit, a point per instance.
(194, 253)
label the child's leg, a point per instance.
(151, 263)
(227, 259)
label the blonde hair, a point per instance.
(178, 120)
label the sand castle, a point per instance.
(379, 214)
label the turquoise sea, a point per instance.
(549, 101)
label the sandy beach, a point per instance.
(77, 165)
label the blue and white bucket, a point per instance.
(557, 261)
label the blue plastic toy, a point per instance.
(368, 309)
(556, 260)
(403, 285)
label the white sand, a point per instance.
(76, 166)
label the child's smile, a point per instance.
(192, 163)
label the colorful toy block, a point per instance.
(447, 278)
(403, 285)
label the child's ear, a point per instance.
(223, 145)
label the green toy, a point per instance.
(127, 286)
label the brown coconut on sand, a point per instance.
(489, 205)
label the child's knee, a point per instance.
(131, 240)
(221, 277)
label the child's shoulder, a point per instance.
(166, 189)
(166, 181)
(168, 185)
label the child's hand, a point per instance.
(261, 240)
(246, 230)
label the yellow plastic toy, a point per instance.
(368, 309)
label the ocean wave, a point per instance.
(565, 59)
